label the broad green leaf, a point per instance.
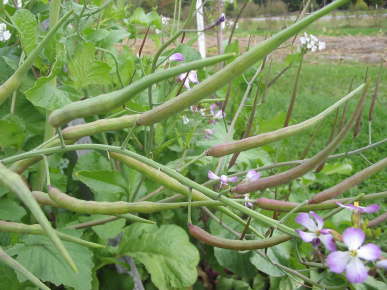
(151, 18)
(92, 161)
(344, 168)
(106, 185)
(85, 70)
(113, 37)
(26, 24)
(39, 256)
(45, 94)
(265, 266)
(109, 230)
(166, 253)
(10, 210)
(8, 279)
(12, 132)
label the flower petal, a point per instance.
(318, 219)
(306, 237)
(193, 77)
(176, 57)
(370, 252)
(224, 179)
(253, 175)
(212, 175)
(353, 238)
(348, 206)
(355, 271)
(337, 261)
(232, 179)
(371, 208)
(382, 264)
(305, 220)
(328, 241)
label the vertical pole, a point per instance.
(200, 28)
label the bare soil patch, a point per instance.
(363, 49)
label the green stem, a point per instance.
(19, 228)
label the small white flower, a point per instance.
(158, 31)
(311, 43)
(185, 120)
(4, 33)
(165, 20)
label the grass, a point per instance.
(332, 27)
(321, 85)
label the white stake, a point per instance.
(200, 28)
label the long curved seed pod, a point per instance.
(117, 207)
(232, 70)
(238, 245)
(19, 228)
(15, 265)
(349, 182)
(310, 164)
(15, 184)
(106, 102)
(265, 138)
(377, 221)
(169, 171)
(282, 205)
(14, 81)
(99, 126)
(171, 183)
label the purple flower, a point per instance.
(361, 209)
(191, 78)
(224, 180)
(248, 203)
(350, 261)
(176, 57)
(208, 133)
(221, 19)
(382, 264)
(216, 114)
(252, 175)
(314, 223)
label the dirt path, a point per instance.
(363, 49)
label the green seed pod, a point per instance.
(238, 245)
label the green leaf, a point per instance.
(190, 53)
(39, 256)
(92, 161)
(12, 132)
(109, 230)
(292, 58)
(237, 262)
(8, 279)
(231, 284)
(106, 185)
(265, 266)
(151, 18)
(344, 168)
(45, 94)
(26, 24)
(166, 253)
(10, 210)
(85, 70)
